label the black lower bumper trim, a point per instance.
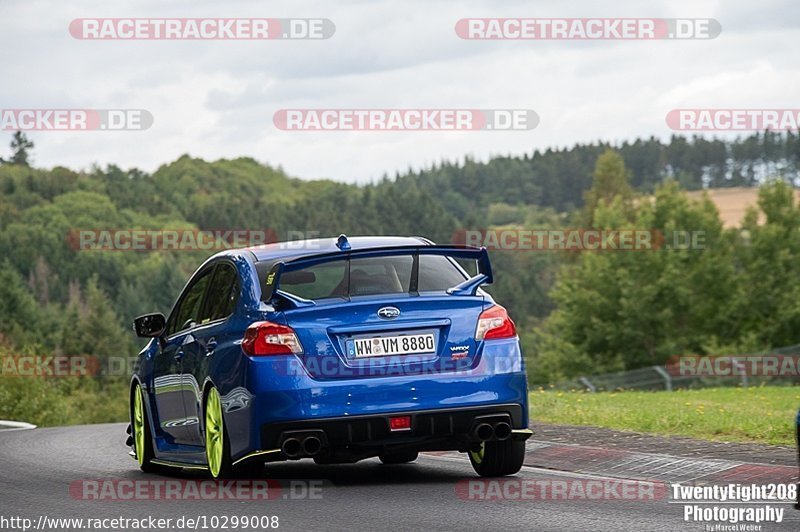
(374, 429)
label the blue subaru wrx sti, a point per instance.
(333, 349)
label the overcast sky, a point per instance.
(216, 99)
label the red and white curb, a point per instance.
(652, 466)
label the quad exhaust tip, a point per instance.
(291, 447)
(483, 432)
(497, 431)
(312, 445)
(502, 431)
(296, 448)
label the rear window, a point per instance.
(437, 273)
(371, 276)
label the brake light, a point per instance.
(267, 338)
(494, 323)
(400, 423)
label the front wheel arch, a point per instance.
(204, 403)
(144, 449)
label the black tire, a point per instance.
(498, 458)
(399, 458)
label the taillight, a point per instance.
(267, 338)
(494, 323)
(400, 423)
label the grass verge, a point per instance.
(52, 402)
(756, 415)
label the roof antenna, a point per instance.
(342, 243)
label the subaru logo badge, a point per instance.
(388, 313)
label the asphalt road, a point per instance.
(39, 466)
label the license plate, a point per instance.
(409, 344)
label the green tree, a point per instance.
(19, 147)
(19, 317)
(91, 326)
(611, 182)
(618, 310)
(768, 260)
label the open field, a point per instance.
(759, 415)
(733, 202)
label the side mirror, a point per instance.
(150, 325)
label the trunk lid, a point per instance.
(431, 333)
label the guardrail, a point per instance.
(658, 378)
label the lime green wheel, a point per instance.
(498, 458)
(476, 457)
(217, 448)
(142, 438)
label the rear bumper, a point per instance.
(430, 429)
(294, 399)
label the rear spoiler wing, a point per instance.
(272, 279)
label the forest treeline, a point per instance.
(577, 312)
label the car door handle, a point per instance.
(179, 355)
(210, 346)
